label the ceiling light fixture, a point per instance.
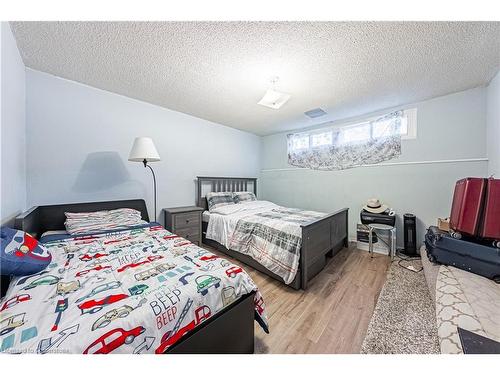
(272, 98)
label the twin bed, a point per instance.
(143, 289)
(321, 236)
(136, 290)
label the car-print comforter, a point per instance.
(131, 291)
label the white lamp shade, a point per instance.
(143, 149)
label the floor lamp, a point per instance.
(144, 150)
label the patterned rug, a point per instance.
(404, 320)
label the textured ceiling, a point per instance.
(220, 70)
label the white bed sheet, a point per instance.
(205, 216)
(53, 232)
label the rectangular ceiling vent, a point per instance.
(313, 113)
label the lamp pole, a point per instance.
(144, 150)
(145, 162)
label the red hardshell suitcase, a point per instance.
(466, 207)
(490, 226)
(475, 210)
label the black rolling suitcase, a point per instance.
(470, 256)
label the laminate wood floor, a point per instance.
(331, 316)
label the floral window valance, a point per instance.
(350, 146)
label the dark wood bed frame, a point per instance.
(321, 238)
(230, 331)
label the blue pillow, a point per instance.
(21, 254)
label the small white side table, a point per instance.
(390, 229)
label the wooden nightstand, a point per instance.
(185, 222)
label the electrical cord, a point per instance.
(407, 258)
(404, 258)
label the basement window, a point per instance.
(300, 142)
(355, 133)
(370, 141)
(359, 132)
(321, 139)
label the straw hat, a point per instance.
(374, 206)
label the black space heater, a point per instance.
(410, 235)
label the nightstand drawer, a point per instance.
(191, 234)
(187, 220)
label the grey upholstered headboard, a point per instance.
(217, 184)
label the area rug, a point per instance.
(404, 320)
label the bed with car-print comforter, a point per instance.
(130, 291)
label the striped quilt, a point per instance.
(99, 221)
(268, 233)
(274, 239)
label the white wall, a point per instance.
(79, 139)
(13, 130)
(449, 127)
(493, 126)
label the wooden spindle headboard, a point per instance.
(221, 184)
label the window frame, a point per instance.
(410, 114)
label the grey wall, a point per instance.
(449, 127)
(13, 130)
(79, 138)
(493, 126)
